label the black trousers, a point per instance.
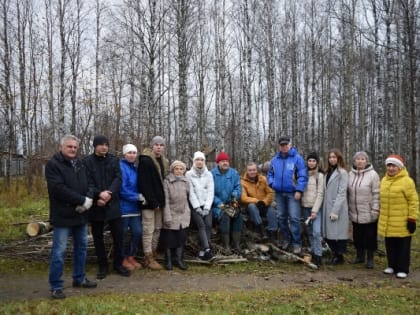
(365, 236)
(398, 253)
(115, 226)
(337, 246)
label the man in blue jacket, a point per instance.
(227, 190)
(288, 177)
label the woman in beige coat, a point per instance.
(363, 195)
(176, 215)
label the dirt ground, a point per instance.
(25, 287)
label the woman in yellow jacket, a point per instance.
(398, 215)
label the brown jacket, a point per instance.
(252, 191)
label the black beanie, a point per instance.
(313, 155)
(100, 139)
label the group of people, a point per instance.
(155, 201)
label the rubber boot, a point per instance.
(179, 258)
(262, 232)
(317, 260)
(168, 259)
(236, 239)
(273, 236)
(360, 256)
(226, 242)
(369, 263)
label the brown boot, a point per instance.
(151, 263)
(134, 262)
(127, 264)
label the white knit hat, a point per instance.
(129, 148)
(199, 155)
(395, 159)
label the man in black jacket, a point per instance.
(105, 182)
(69, 200)
(152, 170)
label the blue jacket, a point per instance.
(288, 174)
(226, 186)
(129, 194)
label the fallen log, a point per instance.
(296, 257)
(38, 228)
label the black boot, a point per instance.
(102, 272)
(179, 258)
(273, 237)
(168, 259)
(360, 256)
(262, 232)
(317, 260)
(369, 263)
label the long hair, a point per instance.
(340, 160)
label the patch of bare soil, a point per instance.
(25, 287)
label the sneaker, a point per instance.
(58, 294)
(127, 265)
(401, 275)
(297, 249)
(208, 255)
(388, 271)
(201, 254)
(85, 284)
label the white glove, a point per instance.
(141, 198)
(88, 203)
(80, 209)
(206, 212)
(333, 216)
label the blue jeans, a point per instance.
(58, 254)
(271, 214)
(289, 211)
(314, 231)
(135, 229)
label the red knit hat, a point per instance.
(395, 159)
(222, 156)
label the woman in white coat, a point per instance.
(335, 209)
(201, 200)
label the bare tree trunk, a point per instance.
(62, 6)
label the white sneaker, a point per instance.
(388, 271)
(401, 275)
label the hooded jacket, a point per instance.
(254, 191)
(201, 187)
(67, 188)
(287, 173)
(129, 195)
(399, 202)
(363, 194)
(150, 179)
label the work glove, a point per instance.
(411, 225)
(260, 205)
(88, 203)
(333, 216)
(205, 212)
(141, 199)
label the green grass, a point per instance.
(337, 299)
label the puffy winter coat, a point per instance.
(363, 195)
(287, 173)
(335, 201)
(67, 188)
(226, 186)
(150, 179)
(399, 201)
(253, 191)
(314, 192)
(177, 213)
(201, 187)
(129, 194)
(104, 173)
